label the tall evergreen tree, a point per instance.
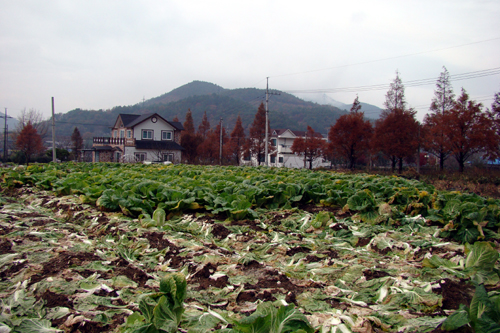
(189, 140)
(396, 131)
(395, 97)
(435, 141)
(204, 127)
(237, 142)
(495, 106)
(77, 143)
(356, 105)
(257, 138)
(443, 95)
(188, 123)
(495, 113)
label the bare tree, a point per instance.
(35, 118)
(160, 152)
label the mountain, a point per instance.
(195, 88)
(371, 111)
(11, 123)
(285, 110)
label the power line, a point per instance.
(74, 123)
(412, 83)
(389, 58)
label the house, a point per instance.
(138, 138)
(281, 153)
(282, 140)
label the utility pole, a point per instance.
(220, 143)
(54, 159)
(5, 138)
(267, 121)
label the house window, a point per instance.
(129, 134)
(273, 159)
(139, 157)
(273, 142)
(262, 159)
(122, 133)
(168, 157)
(280, 159)
(246, 157)
(166, 135)
(147, 134)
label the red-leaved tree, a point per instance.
(29, 142)
(434, 140)
(209, 149)
(77, 143)
(237, 142)
(189, 140)
(469, 130)
(257, 138)
(396, 131)
(350, 136)
(495, 113)
(204, 127)
(311, 147)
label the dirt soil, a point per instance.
(208, 272)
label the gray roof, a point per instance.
(296, 133)
(177, 124)
(130, 120)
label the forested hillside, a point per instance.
(286, 111)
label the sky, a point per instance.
(97, 54)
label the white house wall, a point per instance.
(130, 152)
(157, 127)
(297, 162)
(289, 161)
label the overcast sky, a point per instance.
(96, 54)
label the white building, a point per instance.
(282, 155)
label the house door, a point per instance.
(118, 156)
(97, 156)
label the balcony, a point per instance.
(109, 141)
(284, 149)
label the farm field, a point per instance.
(83, 245)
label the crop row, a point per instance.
(239, 192)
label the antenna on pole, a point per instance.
(267, 120)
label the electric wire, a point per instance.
(411, 83)
(389, 58)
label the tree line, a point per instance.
(455, 127)
(28, 138)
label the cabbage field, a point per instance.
(152, 248)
